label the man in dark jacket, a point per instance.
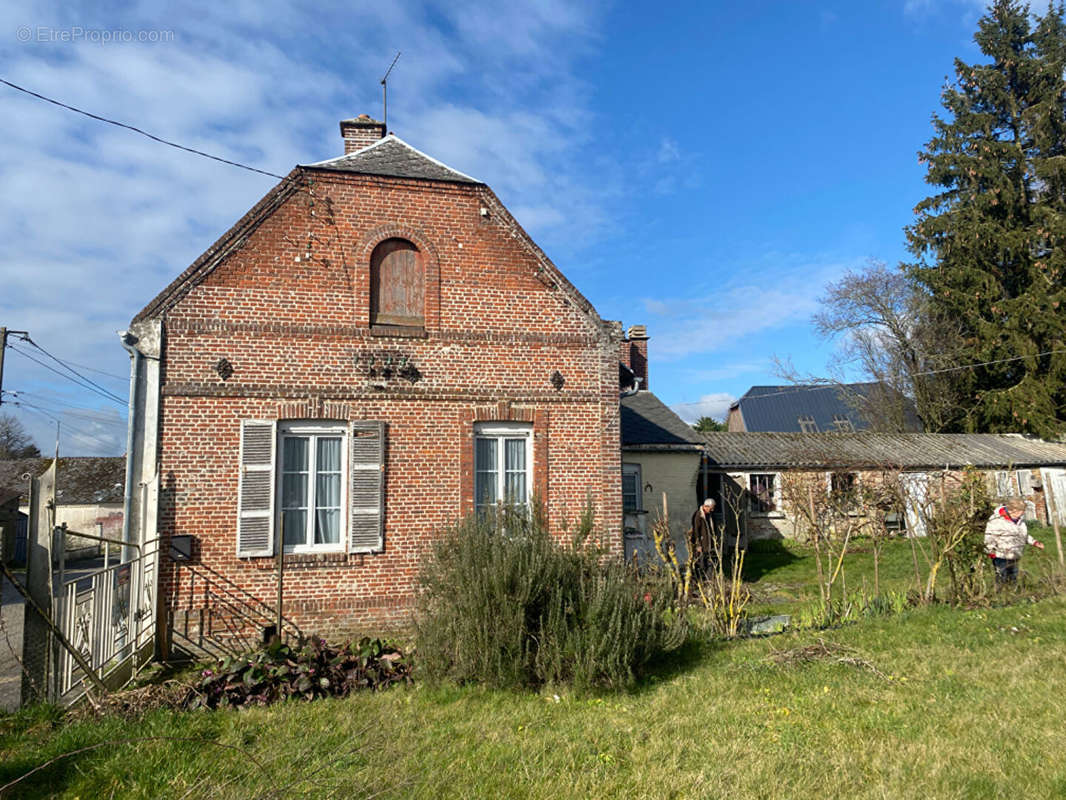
(703, 538)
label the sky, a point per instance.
(703, 168)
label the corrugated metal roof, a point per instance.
(779, 408)
(394, 158)
(865, 450)
(646, 421)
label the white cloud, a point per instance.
(94, 220)
(714, 405)
(970, 8)
(728, 371)
(717, 319)
(668, 151)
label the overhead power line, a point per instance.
(40, 397)
(70, 410)
(105, 394)
(33, 409)
(66, 366)
(105, 373)
(153, 137)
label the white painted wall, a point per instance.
(675, 474)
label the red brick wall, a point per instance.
(290, 312)
(634, 354)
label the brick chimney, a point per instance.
(635, 353)
(360, 132)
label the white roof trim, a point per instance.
(347, 156)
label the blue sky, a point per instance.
(702, 168)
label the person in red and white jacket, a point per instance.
(1006, 537)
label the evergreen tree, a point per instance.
(991, 245)
(708, 425)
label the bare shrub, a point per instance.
(714, 578)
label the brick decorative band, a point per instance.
(346, 394)
(286, 329)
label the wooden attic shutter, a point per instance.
(397, 284)
(255, 489)
(366, 533)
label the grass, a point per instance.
(781, 574)
(935, 702)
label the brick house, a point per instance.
(375, 349)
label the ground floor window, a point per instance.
(503, 460)
(632, 493)
(311, 491)
(762, 488)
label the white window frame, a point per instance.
(752, 498)
(807, 424)
(633, 469)
(500, 432)
(312, 430)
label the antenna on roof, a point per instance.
(385, 93)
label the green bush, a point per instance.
(504, 605)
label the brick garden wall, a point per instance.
(289, 311)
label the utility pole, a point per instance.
(3, 346)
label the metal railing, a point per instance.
(108, 616)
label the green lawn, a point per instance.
(781, 574)
(935, 702)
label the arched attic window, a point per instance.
(397, 284)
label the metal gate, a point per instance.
(109, 619)
(96, 628)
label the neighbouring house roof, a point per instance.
(392, 157)
(82, 480)
(908, 451)
(779, 408)
(647, 424)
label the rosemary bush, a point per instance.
(505, 605)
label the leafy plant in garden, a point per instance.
(957, 536)
(504, 604)
(714, 577)
(310, 670)
(828, 514)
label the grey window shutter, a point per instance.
(255, 492)
(366, 533)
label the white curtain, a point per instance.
(328, 491)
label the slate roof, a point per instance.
(79, 480)
(648, 424)
(778, 408)
(392, 157)
(745, 451)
